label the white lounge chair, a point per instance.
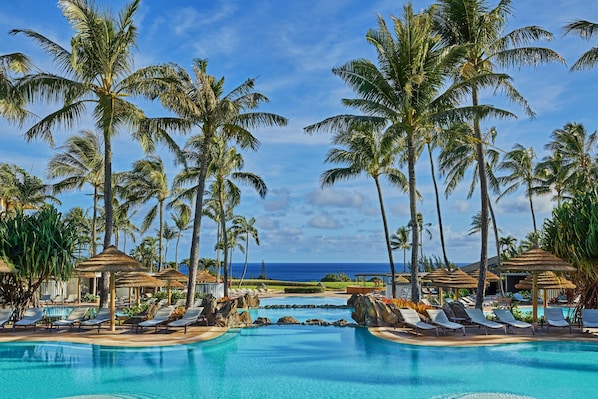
(5, 316)
(103, 316)
(31, 317)
(77, 315)
(438, 317)
(554, 318)
(192, 315)
(505, 316)
(477, 317)
(412, 319)
(162, 316)
(589, 318)
(72, 298)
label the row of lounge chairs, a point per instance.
(33, 316)
(438, 318)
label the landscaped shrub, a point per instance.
(303, 290)
(404, 303)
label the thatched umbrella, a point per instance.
(136, 280)
(433, 277)
(489, 275)
(111, 260)
(205, 277)
(170, 275)
(457, 279)
(536, 260)
(545, 281)
(5, 267)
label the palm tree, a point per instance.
(423, 227)
(20, 190)
(577, 150)
(98, 72)
(403, 92)
(400, 240)
(473, 24)
(508, 245)
(169, 234)
(80, 162)
(365, 150)
(202, 104)
(147, 252)
(83, 224)
(586, 30)
(225, 168)
(147, 181)
(247, 229)
(520, 163)
(182, 222)
(12, 102)
(553, 173)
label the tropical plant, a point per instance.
(80, 162)
(83, 224)
(147, 252)
(148, 181)
(586, 30)
(98, 72)
(363, 149)
(400, 240)
(169, 234)
(402, 93)
(12, 102)
(520, 163)
(572, 234)
(247, 229)
(481, 30)
(41, 246)
(203, 104)
(508, 247)
(182, 222)
(21, 191)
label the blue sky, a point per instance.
(291, 47)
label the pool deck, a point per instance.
(125, 336)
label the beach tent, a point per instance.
(170, 275)
(111, 260)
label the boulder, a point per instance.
(287, 320)
(373, 312)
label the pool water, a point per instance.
(328, 314)
(299, 361)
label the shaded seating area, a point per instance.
(5, 316)
(554, 318)
(438, 317)
(476, 316)
(505, 316)
(77, 315)
(192, 315)
(411, 318)
(589, 318)
(103, 316)
(162, 317)
(31, 317)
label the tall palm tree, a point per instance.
(520, 163)
(79, 162)
(12, 102)
(400, 240)
(586, 30)
(553, 174)
(247, 229)
(226, 168)
(182, 222)
(148, 181)
(97, 72)
(404, 92)
(509, 246)
(473, 24)
(202, 103)
(20, 190)
(363, 149)
(576, 148)
(423, 227)
(169, 233)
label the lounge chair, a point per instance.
(192, 315)
(467, 301)
(520, 298)
(554, 318)
(438, 317)
(477, 317)
(77, 315)
(412, 319)
(459, 311)
(589, 318)
(72, 298)
(5, 316)
(58, 299)
(103, 316)
(162, 316)
(31, 317)
(505, 316)
(45, 298)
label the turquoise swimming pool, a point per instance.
(299, 362)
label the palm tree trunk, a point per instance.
(413, 215)
(531, 207)
(94, 221)
(387, 238)
(446, 261)
(160, 235)
(105, 279)
(176, 251)
(195, 237)
(246, 257)
(484, 204)
(496, 239)
(224, 241)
